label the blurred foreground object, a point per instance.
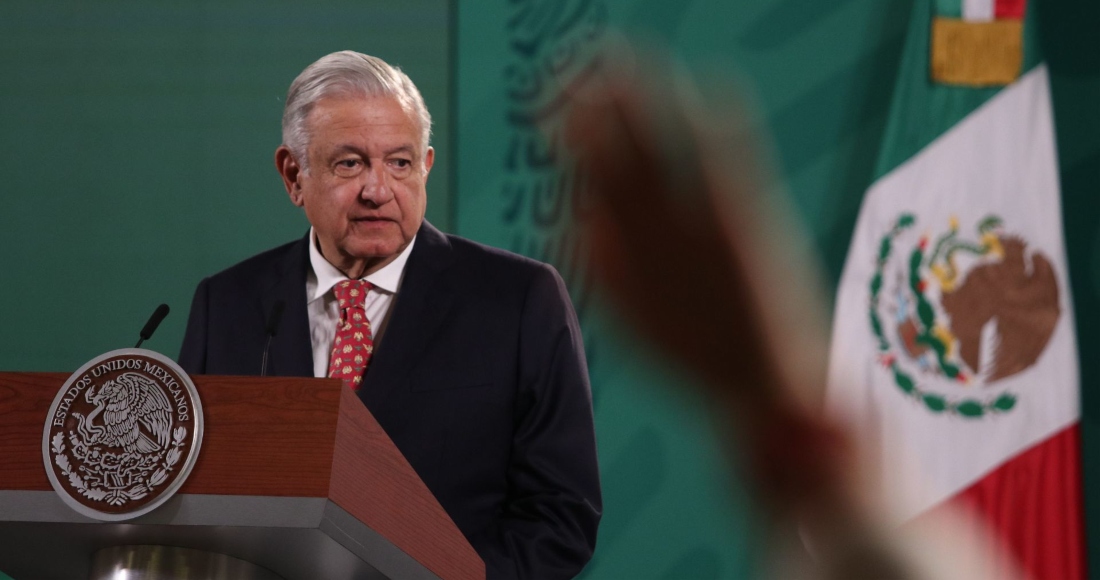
(705, 269)
(954, 354)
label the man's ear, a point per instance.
(290, 171)
(429, 160)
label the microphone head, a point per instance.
(276, 316)
(154, 321)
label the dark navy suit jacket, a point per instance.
(480, 380)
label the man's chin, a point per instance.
(375, 250)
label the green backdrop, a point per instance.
(136, 139)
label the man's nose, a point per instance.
(375, 186)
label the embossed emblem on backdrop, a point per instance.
(552, 51)
(122, 434)
(958, 311)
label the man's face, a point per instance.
(364, 192)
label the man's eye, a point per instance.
(348, 167)
(401, 163)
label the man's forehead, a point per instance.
(359, 110)
(345, 121)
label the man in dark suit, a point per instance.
(469, 357)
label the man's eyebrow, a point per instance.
(346, 149)
(401, 149)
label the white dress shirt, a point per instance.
(324, 312)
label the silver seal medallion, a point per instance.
(122, 434)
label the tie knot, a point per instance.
(351, 292)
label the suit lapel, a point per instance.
(291, 350)
(420, 307)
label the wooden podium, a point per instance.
(294, 475)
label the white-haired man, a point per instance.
(469, 357)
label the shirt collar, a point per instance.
(387, 279)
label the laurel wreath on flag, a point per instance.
(934, 402)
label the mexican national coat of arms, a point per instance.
(955, 314)
(122, 434)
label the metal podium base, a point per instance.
(296, 538)
(171, 563)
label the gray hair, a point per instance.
(347, 74)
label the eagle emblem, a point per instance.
(959, 312)
(132, 402)
(122, 434)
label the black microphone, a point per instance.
(272, 329)
(151, 326)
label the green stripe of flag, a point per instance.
(948, 8)
(920, 110)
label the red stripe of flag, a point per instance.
(1033, 504)
(1009, 9)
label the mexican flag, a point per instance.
(954, 355)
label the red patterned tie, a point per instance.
(352, 347)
